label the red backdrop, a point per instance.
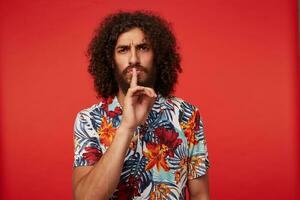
(240, 68)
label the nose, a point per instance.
(134, 57)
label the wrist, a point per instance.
(126, 128)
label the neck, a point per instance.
(121, 96)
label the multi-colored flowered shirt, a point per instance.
(164, 153)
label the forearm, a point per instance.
(200, 197)
(199, 188)
(103, 179)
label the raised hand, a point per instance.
(137, 103)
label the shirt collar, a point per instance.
(111, 103)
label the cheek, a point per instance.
(148, 60)
(121, 63)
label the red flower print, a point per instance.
(169, 138)
(117, 111)
(156, 155)
(128, 189)
(105, 103)
(92, 155)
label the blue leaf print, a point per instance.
(135, 167)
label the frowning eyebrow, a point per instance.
(124, 46)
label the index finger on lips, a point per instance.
(133, 81)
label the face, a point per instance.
(133, 50)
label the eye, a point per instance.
(144, 48)
(122, 50)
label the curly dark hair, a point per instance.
(100, 51)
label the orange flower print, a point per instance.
(191, 127)
(194, 163)
(177, 176)
(161, 191)
(106, 132)
(182, 169)
(133, 142)
(156, 155)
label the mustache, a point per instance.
(137, 66)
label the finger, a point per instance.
(142, 93)
(151, 92)
(133, 81)
(133, 90)
(138, 91)
(146, 91)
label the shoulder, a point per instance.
(88, 110)
(90, 114)
(179, 103)
(88, 120)
(93, 111)
(185, 112)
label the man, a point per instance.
(139, 142)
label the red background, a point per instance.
(240, 68)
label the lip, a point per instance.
(137, 71)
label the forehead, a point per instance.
(135, 36)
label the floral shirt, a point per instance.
(164, 153)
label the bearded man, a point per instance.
(139, 141)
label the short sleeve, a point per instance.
(198, 162)
(87, 150)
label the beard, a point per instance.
(123, 78)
